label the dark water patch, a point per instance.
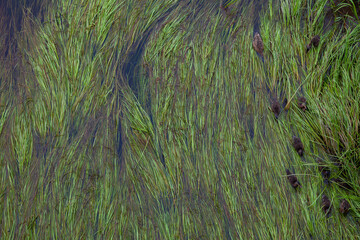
(46, 180)
(84, 128)
(131, 72)
(326, 78)
(232, 11)
(158, 146)
(347, 11)
(146, 203)
(13, 166)
(229, 226)
(119, 143)
(96, 225)
(94, 132)
(12, 13)
(265, 86)
(84, 177)
(165, 202)
(132, 60)
(27, 208)
(131, 63)
(12, 172)
(250, 127)
(341, 14)
(329, 20)
(263, 124)
(258, 6)
(42, 146)
(73, 128)
(302, 74)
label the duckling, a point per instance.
(344, 206)
(325, 172)
(258, 44)
(302, 103)
(275, 107)
(298, 145)
(292, 179)
(315, 40)
(325, 204)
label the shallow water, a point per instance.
(204, 158)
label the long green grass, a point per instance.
(189, 149)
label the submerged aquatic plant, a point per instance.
(149, 119)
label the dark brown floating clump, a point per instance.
(298, 145)
(302, 103)
(258, 44)
(275, 107)
(344, 206)
(315, 40)
(325, 204)
(325, 171)
(292, 179)
(341, 183)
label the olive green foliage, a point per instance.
(150, 119)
